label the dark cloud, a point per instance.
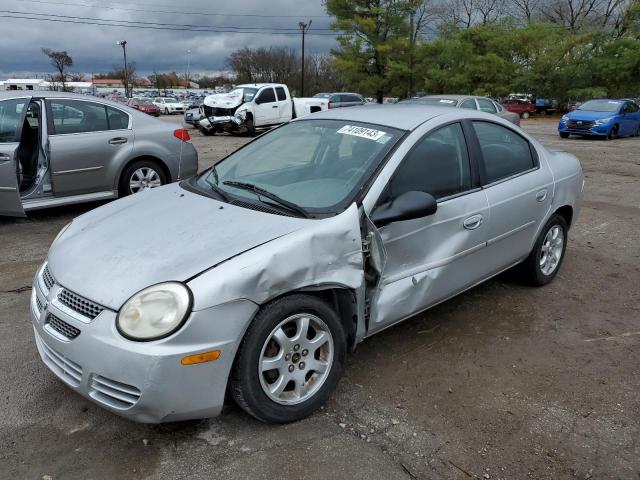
(94, 49)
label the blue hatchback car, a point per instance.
(602, 118)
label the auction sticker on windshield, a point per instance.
(362, 132)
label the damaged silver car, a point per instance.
(256, 277)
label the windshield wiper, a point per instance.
(215, 187)
(265, 193)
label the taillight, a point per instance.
(182, 134)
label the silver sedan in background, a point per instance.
(296, 247)
(469, 102)
(61, 148)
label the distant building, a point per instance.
(25, 84)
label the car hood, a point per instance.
(224, 100)
(167, 233)
(589, 115)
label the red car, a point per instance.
(145, 106)
(521, 107)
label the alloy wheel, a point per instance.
(144, 178)
(551, 250)
(296, 359)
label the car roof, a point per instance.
(403, 117)
(53, 94)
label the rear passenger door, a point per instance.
(519, 189)
(87, 140)
(284, 105)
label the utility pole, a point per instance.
(123, 44)
(188, 65)
(304, 28)
(411, 37)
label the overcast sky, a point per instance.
(93, 46)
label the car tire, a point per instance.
(251, 129)
(637, 134)
(207, 133)
(564, 135)
(524, 115)
(544, 261)
(613, 133)
(166, 111)
(150, 170)
(293, 389)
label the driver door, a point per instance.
(432, 258)
(12, 117)
(267, 111)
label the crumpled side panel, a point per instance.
(327, 252)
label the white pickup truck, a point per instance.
(252, 106)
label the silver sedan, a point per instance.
(296, 247)
(469, 102)
(60, 148)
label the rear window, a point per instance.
(281, 93)
(77, 116)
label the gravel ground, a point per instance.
(502, 382)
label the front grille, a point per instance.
(62, 327)
(67, 370)
(580, 124)
(259, 208)
(115, 394)
(47, 278)
(79, 304)
(218, 112)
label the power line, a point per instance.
(148, 25)
(160, 24)
(179, 12)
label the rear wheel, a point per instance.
(543, 263)
(290, 360)
(637, 134)
(524, 115)
(141, 175)
(564, 135)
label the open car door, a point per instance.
(12, 117)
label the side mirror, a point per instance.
(257, 101)
(406, 206)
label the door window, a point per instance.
(505, 153)
(10, 116)
(118, 120)
(469, 103)
(266, 96)
(77, 116)
(486, 105)
(281, 93)
(438, 164)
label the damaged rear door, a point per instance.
(414, 264)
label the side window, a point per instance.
(504, 152)
(486, 105)
(281, 93)
(267, 96)
(77, 116)
(118, 120)
(335, 99)
(438, 164)
(498, 107)
(469, 103)
(10, 116)
(634, 107)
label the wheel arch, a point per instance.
(566, 212)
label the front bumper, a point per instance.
(594, 131)
(210, 122)
(142, 381)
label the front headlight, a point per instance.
(154, 312)
(565, 118)
(604, 120)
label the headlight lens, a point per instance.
(154, 312)
(604, 120)
(565, 118)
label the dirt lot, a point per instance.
(504, 381)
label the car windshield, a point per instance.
(171, 100)
(322, 95)
(247, 93)
(144, 102)
(317, 165)
(600, 106)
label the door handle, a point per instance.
(541, 195)
(275, 106)
(118, 141)
(473, 222)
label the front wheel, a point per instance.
(613, 133)
(543, 263)
(290, 360)
(564, 135)
(166, 111)
(525, 115)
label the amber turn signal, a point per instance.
(201, 358)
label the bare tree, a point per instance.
(527, 10)
(60, 61)
(489, 10)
